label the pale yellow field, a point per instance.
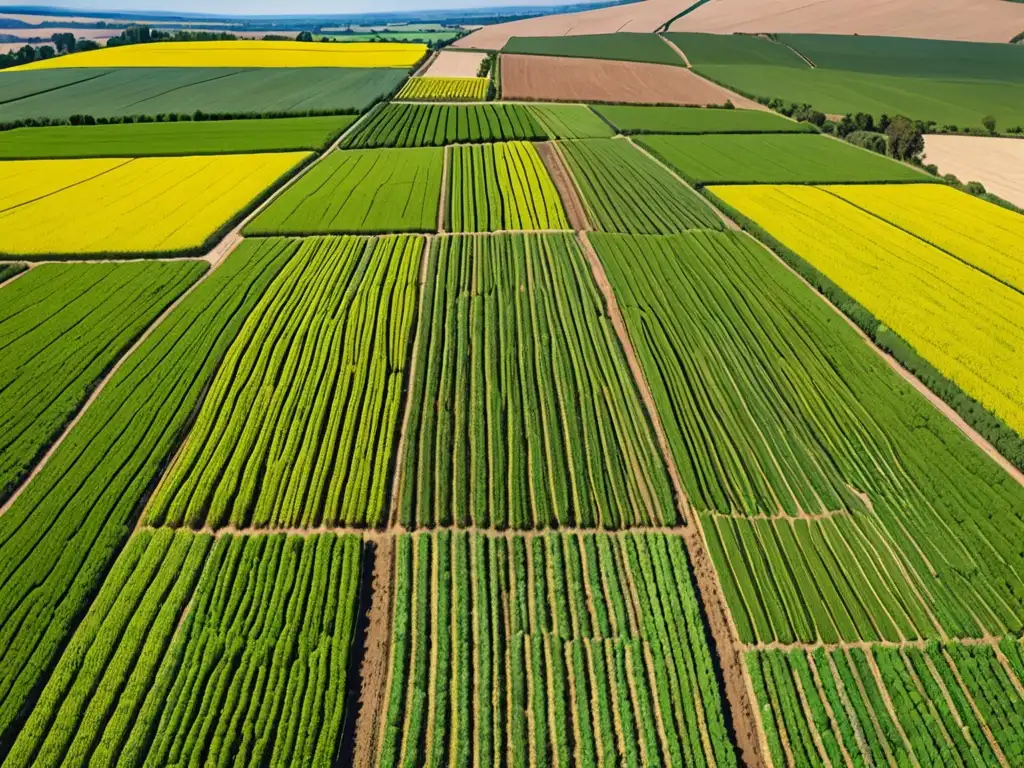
(241, 53)
(967, 324)
(986, 236)
(145, 205)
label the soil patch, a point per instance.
(995, 162)
(455, 64)
(559, 173)
(554, 78)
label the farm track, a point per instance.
(565, 184)
(677, 49)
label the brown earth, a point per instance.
(995, 162)
(559, 173)
(554, 78)
(450, 63)
(972, 20)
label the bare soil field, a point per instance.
(995, 162)
(970, 20)
(450, 63)
(645, 16)
(553, 78)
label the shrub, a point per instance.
(876, 142)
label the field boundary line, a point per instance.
(810, 63)
(556, 149)
(991, 641)
(677, 49)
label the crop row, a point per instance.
(444, 89)
(205, 652)
(940, 705)
(773, 406)
(61, 328)
(556, 649)
(58, 538)
(298, 424)
(625, 191)
(522, 411)
(501, 186)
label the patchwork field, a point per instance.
(433, 125)
(444, 89)
(997, 163)
(114, 93)
(967, 324)
(360, 191)
(775, 159)
(694, 120)
(622, 46)
(241, 54)
(322, 354)
(170, 139)
(141, 206)
(500, 186)
(570, 121)
(538, 425)
(454, 63)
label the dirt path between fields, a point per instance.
(564, 183)
(677, 49)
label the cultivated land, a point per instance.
(444, 89)
(451, 63)
(623, 46)
(996, 163)
(694, 120)
(169, 139)
(426, 125)
(130, 206)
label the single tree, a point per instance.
(990, 123)
(905, 138)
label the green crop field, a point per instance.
(60, 536)
(558, 645)
(775, 159)
(139, 704)
(630, 119)
(539, 425)
(500, 186)
(570, 121)
(362, 190)
(433, 125)
(620, 46)
(180, 138)
(145, 91)
(62, 326)
(329, 404)
(814, 426)
(702, 49)
(624, 190)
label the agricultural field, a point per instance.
(539, 425)
(298, 425)
(545, 648)
(967, 324)
(360, 191)
(434, 125)
(627, 119)
(451, 62)
(59, 538)
(775, 159)
(500, 186)
(702, 49)
(776, 410)
(230, 649)
(240, 54)
(622, 46)
(130, 206)
(444, 89)
(121, 93)
(178, 138)
(7, 271)
(570, 121)
(625, 191)
(62, 326)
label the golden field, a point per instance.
(129, 206)
(984, 235)
(241, 54)
(968, 325)
(444, 89)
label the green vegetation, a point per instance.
(433, 125)
(522, 412)
(178, 138)
(702, 49)
(625, 191)
(9, 270)
(619, 46)
(544, 647)
(366, 191)
(500, 186)
(630, 119)
(298, 424)
(774, 407)
(775, 159)
(570, 121)
(58, 539)
(205, 652)
(62, 326)
(118, 93)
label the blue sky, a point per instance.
(253, 7)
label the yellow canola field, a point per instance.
(981, 233)
(18, 187)
(444, 89)
(968, 325)
(133, 206)
(241, 54)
